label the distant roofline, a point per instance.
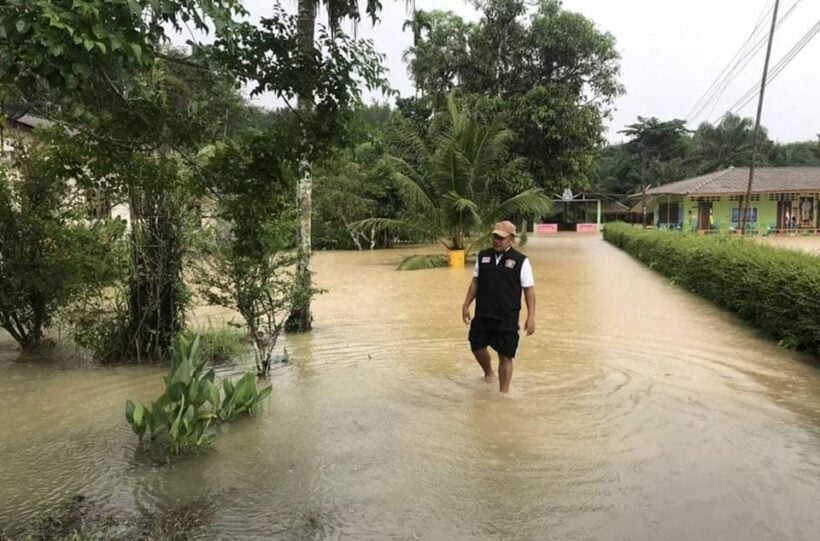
(700, 185)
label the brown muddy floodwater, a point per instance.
(638, 411)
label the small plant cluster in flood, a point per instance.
(421, 262)
(774, 289)
(181, 420)
(81, 519)
(220, 345)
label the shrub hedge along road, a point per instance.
(774, 289)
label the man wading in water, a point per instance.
(500, 275)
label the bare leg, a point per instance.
(505, 370)
(483, 358)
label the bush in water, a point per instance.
(51, 256)
(775, 289)
(420, 262)
(244, 397)
(220, 345)
(181, 419)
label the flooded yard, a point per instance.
(637, 411)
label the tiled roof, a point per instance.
(613, 207)
(637, 208)
(735, 180)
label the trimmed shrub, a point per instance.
(774, 289)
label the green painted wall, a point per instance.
(722, 211)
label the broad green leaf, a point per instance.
(137, 50)
(213, 394)
(139, 411)
(264, 393)
(189, 413)
(135, 8)
(99, 31)
(129, 411)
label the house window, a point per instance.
(751, 215)
(668, 213)
(98, 206)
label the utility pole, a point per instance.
(744, 205)
(644, 187)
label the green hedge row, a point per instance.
(776, 290)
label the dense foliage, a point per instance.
(658, 152)
(457, 182)
(142, 114)
(52, 256)
(247, 248)
(551, 77)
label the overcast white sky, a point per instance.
(671, 52)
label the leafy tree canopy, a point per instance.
(552, 77)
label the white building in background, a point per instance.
(19, 127)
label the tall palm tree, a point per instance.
(451, 189)
(418, 24)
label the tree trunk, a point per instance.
(353, 235)
(300, 317)
(156, 296)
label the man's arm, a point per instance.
(529, 298)
(468, 300)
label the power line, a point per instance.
(738, 53)
(742, 59)
(778, 68)
(749, 57)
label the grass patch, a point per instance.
(220, 345)
(421, 262)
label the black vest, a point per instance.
(499, 286)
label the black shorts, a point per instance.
(502, 337)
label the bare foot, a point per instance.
(489, 378)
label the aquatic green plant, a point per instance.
(180, 420)
(243, 397)
(420, 262)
